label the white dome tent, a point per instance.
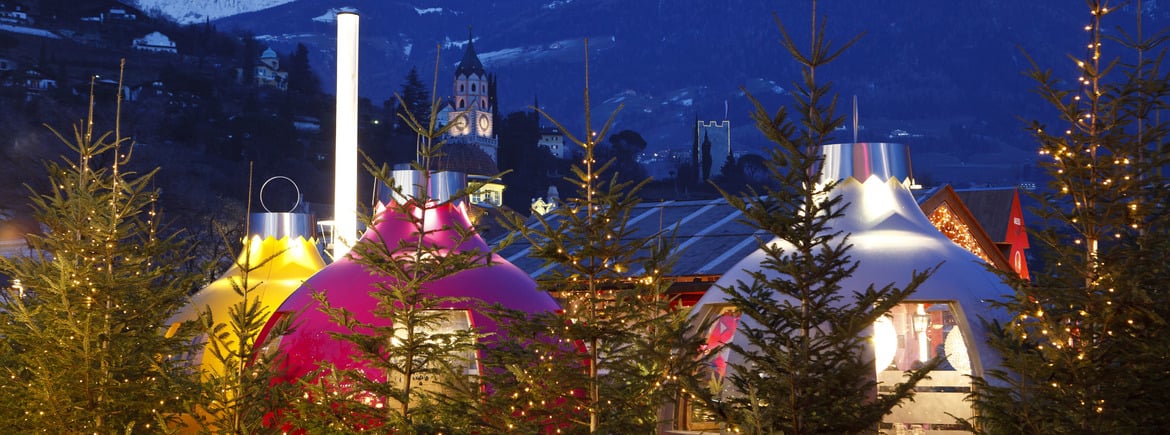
(891, 238)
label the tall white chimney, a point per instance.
(346, 166)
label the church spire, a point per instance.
(470, 63)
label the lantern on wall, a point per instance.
(890, 238)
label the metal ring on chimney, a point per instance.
(294, 184)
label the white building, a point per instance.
(552, 140)
(268, 72)
(155, 42)
(14, 13)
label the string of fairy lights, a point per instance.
(955, 229)
(1099, 177)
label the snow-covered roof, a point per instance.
(156, 42)
(157, 39)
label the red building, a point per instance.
(999, 213)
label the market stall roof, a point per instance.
(708, 234)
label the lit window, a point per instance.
(453, 324)
(908, 336)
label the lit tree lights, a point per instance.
(1088, 338)
(801, 360)
(83, 349)
(615, 355)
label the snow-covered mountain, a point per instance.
(187, 11)
(944, 71)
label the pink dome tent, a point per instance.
(347, 284)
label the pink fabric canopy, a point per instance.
(347, 284)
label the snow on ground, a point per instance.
(29, 31)
(188, 12)
(498, 56)
(557, 4)
(286, 37)
(429, 11)
(330, 16)
(507, 55)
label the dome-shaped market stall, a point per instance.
(891, 238)
(277, 258)
(348, 285)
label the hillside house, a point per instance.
(37, 82)
(268, 72)
(14, 13)
(554, 141)
(155, 42)
(149, 90)
(112, 12)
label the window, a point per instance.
(724, 321)
(473, 87)
(910, 335)
(913, 333)
(452, 327)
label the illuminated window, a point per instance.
(909, 336)
(452, 323)
(17, 288)
(724, 321)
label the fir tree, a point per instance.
(242, 393)
(247, 57)
(85, 349)
(413, 99)
(623, 149)
(694, 164)
(242, 398)
(803, 368)
(527, 163)
(301, 78)
(613, 358)
(408, 353)
(705, 165)
(1085, 350)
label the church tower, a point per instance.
(471, 110)
(472, 146)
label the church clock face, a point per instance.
(460, 124)
(485, 124)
